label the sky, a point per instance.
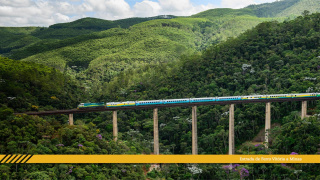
(18, 13)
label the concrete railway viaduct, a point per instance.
(194, 117)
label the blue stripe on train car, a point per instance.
(150, 103)
(202, 100)
(233, 99)
(175, 102)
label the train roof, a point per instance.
(229, 97)
(120, 102)
(205, 98)
(148, 100)
(176, 99)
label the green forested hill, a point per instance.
(97, 58)
(310, 5)
(277, 7)
(221, 12)
(27, 86)
(285, 8)
(87, 26)
(100, 24)
(13, 38)
(269, 59)
(273, 57)
(13, 43)
(93, 53)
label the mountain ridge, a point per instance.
(97, 57)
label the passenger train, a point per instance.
(195, 100)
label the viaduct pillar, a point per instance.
(304, 109)
(155, 132)
(115, 126)
(231, 129)
(71, 119)
(268, 123)
(194, 131)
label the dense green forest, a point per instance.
(95, 50)
(99, 57)
(180, 57)
(27, 86)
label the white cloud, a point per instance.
(28, 13)
(109, 9)
(265, 1)
(47, 12)
(236, 4)
(175, 5)
(147, 8)
(168, 7)
(58, 17)
(16, 3)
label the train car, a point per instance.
(175, 101)
(303, 95)
(279, 96)
(121, 104)
(230, 98)
(90, 105)
(253, 97)
(149, 102)
(207, 99)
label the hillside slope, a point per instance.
(14, 38)
(271, 58)
(88, 25)
(285, 8)
(97, 58)
(26, 86)
(275, 8)
(298, 8)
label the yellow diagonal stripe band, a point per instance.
(168, 159)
